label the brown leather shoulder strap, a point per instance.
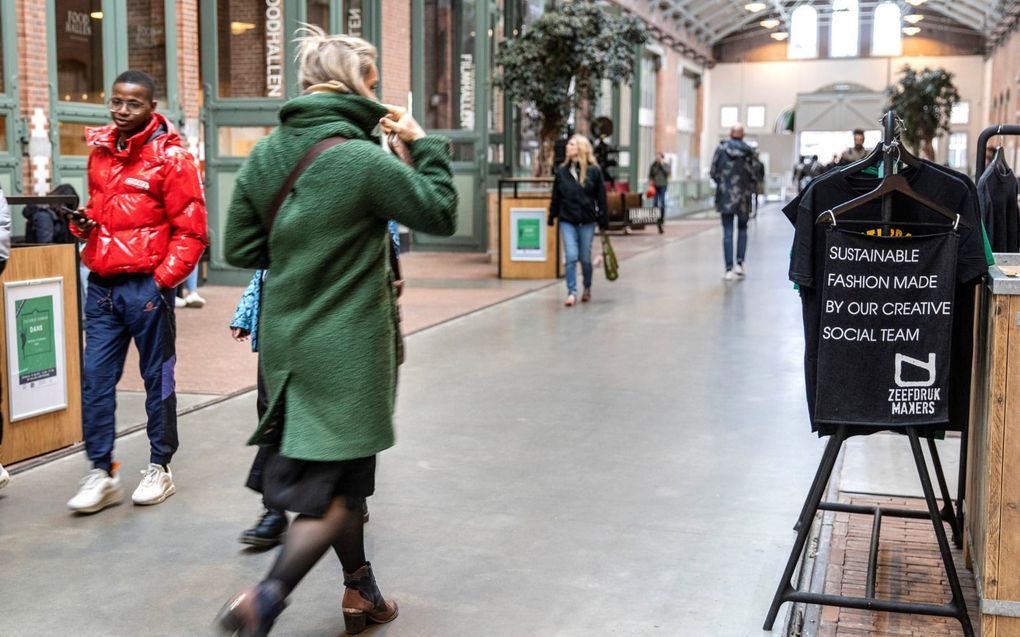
(288, 185)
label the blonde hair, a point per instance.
(585, 155)
(341, 61)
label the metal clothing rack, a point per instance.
(787, 591)
(980, 320)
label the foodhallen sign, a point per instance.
(274, 48)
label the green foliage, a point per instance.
(580, 41)
(924, 101)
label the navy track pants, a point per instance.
(117, 312)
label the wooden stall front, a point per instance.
(38, 435)
(528, 247)
(993, 467)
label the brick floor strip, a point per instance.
(909, 569)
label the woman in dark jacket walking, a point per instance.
(330, 292)
(579, 202)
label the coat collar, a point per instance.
(352, 115)
(106, 136)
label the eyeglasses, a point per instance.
(133, 106)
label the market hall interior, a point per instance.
(544, 457)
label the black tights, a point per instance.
(308, 538)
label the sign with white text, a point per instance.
(885, 331)
(37, 374)
(274, 48)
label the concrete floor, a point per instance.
(632, 466)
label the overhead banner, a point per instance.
(37, 376)
(886, 326)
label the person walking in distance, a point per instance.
(144, 229)
(658, 174)
(579, 202)
(327, 334)
(733, 170)
(856, 152)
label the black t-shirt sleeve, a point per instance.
(971, 259)
(790, 209)
(802, 270)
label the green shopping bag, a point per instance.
(609, 261)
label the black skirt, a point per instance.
(307, 487)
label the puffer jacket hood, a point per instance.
(147, 202)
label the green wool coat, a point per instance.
(327, 331)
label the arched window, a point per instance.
(803, 33)
(886, 37)
(844, 29)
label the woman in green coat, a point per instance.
(327, 334)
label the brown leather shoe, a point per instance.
(363, 602)
(586, 295)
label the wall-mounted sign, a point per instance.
(274, 48)
(467, 92)
(37, 377)
(78, 23)
(527, 234)
(354, 21)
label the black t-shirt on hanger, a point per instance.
(997, 193)
(948, 188)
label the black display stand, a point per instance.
(787, 591)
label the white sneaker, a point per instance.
(739, 269)
(194, 300)
(98, 490)
(157, 485)
(179, 302)
(5, 478)
(730, 276)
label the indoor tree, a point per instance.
(924, 101)
(558, 63)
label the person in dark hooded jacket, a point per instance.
(733, 171)
(44, 224)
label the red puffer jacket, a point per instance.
(147, 201)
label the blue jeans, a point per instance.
(727, 240)
(191, 283)
(660, 199)
(115, 314)
(577, 247)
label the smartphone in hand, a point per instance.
(80, 219)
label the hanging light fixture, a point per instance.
(913, 18)
(779, 35)
(769, 23)
(755, 7)
(911, 30)
(916, 3)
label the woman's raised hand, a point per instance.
(400, 122)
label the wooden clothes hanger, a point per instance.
(893, 183)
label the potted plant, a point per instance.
(924, 101)
(559, 61)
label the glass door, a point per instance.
(12, 136)
(92, 41)
(450, 81)
(248, 72)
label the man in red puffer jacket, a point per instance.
(145, 230)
